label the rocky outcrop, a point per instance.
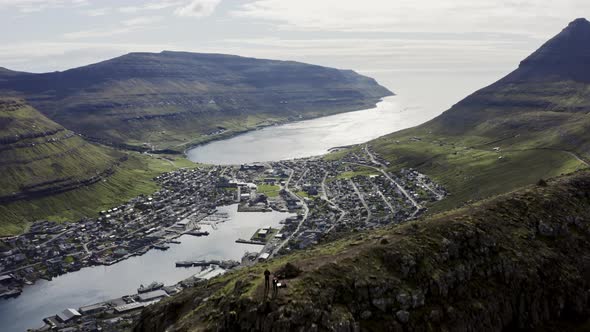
(517, 262)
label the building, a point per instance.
(149, 296)
(68, 314)
(263, 256)
(263, 232)
(254, 167)
(92, 309)
(128, 307)
(5, 278)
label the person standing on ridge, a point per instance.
(266, 281)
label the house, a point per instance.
(5, 278)
(254, 167)
(68, 314)
(263, 232)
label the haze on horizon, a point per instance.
(433, 52)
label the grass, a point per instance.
(471, 174)
(132, 178)
(358, 171)
(268, 190)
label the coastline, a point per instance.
(233, 134)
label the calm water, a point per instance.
(309, 137)
(100, 283)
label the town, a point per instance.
(324, 195)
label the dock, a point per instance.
(260, 243)
(223, 264)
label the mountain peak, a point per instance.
(564, 57)
(579, 22)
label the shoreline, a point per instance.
(234, 134)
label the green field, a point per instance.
(268, 190)
(132, 178)
(472, 174)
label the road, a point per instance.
(371, 156)
(325, 197)
(362, 199)
(438, 195)
(381, 169)
(305, 214)
(385, 201)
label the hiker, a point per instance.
(266, 281)
(275, 287)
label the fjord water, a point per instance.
(420, 97)
(307, 138)
(99, 283)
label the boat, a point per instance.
(151, 287)
(198, 233)
(161, 246)
(184, 264)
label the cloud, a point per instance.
(29, 6)
(97, 12)
(127, 26)
(415, 15)
(156, 5)
(198, 8)
(142, 21)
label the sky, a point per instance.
(449, 47)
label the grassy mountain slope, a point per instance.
(538, 116)
(38, 156)
(173, 99)
(515, 261)
(49, 172)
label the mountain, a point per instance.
(39, 157)
(534, 123)
(49, 172)
(566, 56)
(516, 262)
(173, 99)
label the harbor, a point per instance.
(97, 284)
(115, 313)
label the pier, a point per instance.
(228, 264)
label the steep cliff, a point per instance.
(518, 261)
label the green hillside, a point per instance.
(516, 262)
(38, 156)
(50, 172)
(171, 100)
(532, 124)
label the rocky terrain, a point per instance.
(514, 262)
(174, 99)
